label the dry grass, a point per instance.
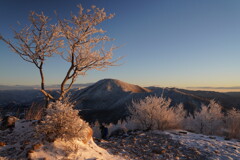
(35, 112)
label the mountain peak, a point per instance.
(114, 84)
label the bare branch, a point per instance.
(81, 37)
(35, 42)
(47, 94)
(85, 43)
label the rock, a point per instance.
(216, 151)
(163, 151)
(212, 137)
(22, 147)
(118, 132)
(158, 150)
(29, 154)
(37, 146)
(26, 142)
(227, 138)
(30, 151)
(8, 122)
(197, 152)
(2, 144)
(182, 132)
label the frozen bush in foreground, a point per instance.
(208, 121)
(156, 113)
(62, 121)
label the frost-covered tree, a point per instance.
(36, 42)
(208, 121)
(156, 113)
(85, 44)
(233, 123)
(80, 35)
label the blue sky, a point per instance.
(187, 43)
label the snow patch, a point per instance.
(221, 149)
(75, 150)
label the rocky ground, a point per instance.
(151, 145)
(20, 141)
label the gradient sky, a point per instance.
(187, 43)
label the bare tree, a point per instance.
(35, 43)
(83, 41)
(85, 44)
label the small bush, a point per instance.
(96, 130)
(120, 126)
(209, 120)
(62, 121)
(155, 113)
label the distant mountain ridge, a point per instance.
(107, 100)
(37, 87)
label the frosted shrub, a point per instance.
(208, 121)
(96, 130)
(132, 124)
(155, 113)
(62, 121)
(233, 123)
(120, 126)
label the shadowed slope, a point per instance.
(107, 99)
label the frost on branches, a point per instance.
(156, 113)
(62, 121)
(233, 123)
(79, 40)
(36, 42)
(85, 44)
(208, 121)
